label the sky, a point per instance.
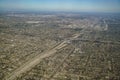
(62, 5)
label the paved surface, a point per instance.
(36, 60)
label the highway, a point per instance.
(37, 59)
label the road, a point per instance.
(37, 59)
(106, 25)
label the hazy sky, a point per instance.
(62, 5)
